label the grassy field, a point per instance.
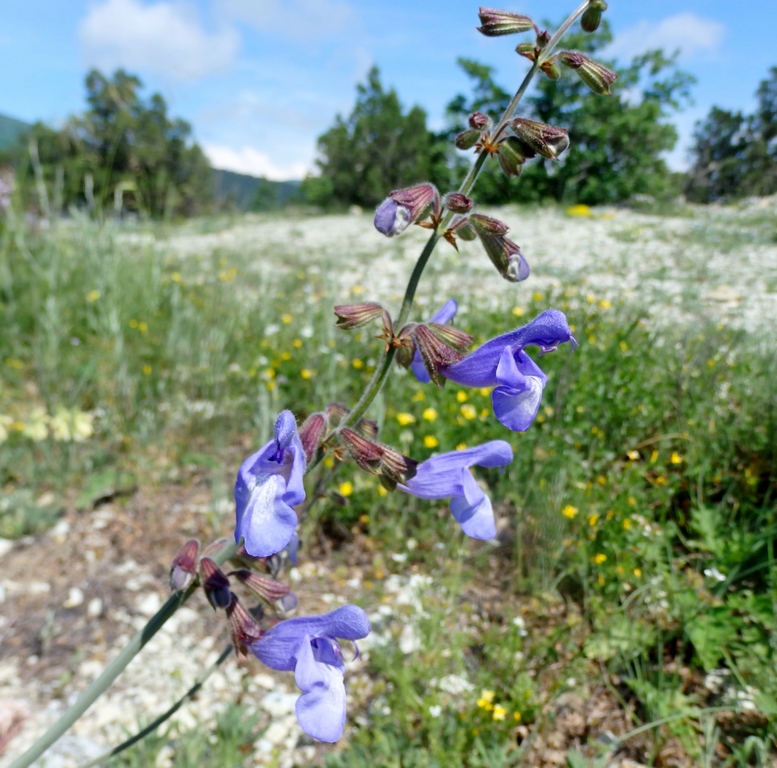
(634, 579)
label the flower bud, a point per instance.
(496, 23)
(242, 627)
(457, 203)
(596, 76)
(506, 256)
(311, 433)
(467, 139)
(511, 157)
(404, 207)
(215, 584)
(543, 38)
(487, 225)
(184, 565)
(592, 16)
(363, 451)
(527, 50)
(479, 121)
(355, 315)
(545, 140)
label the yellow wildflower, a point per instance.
(358, 364)
(468, 412)
(405, 419)
(517, 716)
(147, 369)
(676, 458)
(593, 520)
(382, 491)
(499, 712)
(518, 311)
(92, 296)
(418, 397)
(364, 519)
(637, 572)
(346, 488)
(285, 355)
(600, 558)
(633, 455)
(430, 414)
(626, 524)
(569, 511)
(286, 319)
(461, 446)
(430, 441)
(624, 346)
(604, 304)
(306, 373)
(461, 396)
(297, 343)
(484, 391)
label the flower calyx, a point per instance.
(505, 255)
(389, 465)
(592, 16)
(311, 434)
(539, 138)
(404, 207)
(596, 76)
(184, 566)
(215, 584)
(243, 628)
(496, 23)
(437, 345)
(260, 586)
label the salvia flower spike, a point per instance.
(496, 23)
(596, 76)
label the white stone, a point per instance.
(149, 604)
(75, 597)
(279, 704)
(409, 640)
(95, 607)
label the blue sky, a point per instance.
(260, 79)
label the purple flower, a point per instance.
(391, 218)
(502, 363)
(443, 316)
(448, 475)
(269, 484)
(309, 647)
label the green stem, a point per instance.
(114, 669)
(154, 724)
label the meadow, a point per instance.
(626, 611)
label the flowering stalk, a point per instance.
(387, 357)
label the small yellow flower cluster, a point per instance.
(498, 712)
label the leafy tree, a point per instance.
(617, 141)
(377, 148)
(123, 150)
(735, 155)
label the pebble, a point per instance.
(149, 604)
(75, 597)
(95, 607)
(278, 704)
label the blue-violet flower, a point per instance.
(309, 647)
(448, 475)
(517, 380)
(269, 484)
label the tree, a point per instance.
(617, 142)
(735, 155)
(377, 148)
(123, 150)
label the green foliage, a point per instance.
(617, 142)
(379, 147)
(123, 153)
(735, 155)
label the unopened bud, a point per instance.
(364, 452)
(551, 68)
(463, 229)
(543, 38)
(215, 584)
(355, 315)
(467, 139)
(527, 50)
(184, 565)
(496, 23)
(545, 140)
(506, 256)
(511, 157)
(487, 225)
(592, 16)
(596, 76)
(243, 628)
(479, 121)
(457, 203)
(311, 433)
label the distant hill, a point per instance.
(243, 192)
(10, 130)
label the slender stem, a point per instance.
(114, 669)
(154, 724)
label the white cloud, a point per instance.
(252, 162)
(296, 19)
(162, 37)
(686, 31)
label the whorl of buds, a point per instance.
(184, 565)
(355, 315)
(264, 588)
(511, 156)
(592, 16)
(496, 23)
(215, 584)
(596, 76)
(479, 121)
(311, 434)
(404, 207)
(542, 139)
(457, 203)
